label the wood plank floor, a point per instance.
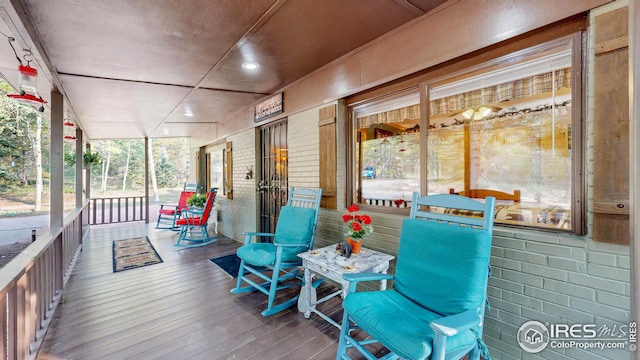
(179, 309)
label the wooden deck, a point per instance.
(179, 309)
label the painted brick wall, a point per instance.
(554, 278)
(239, 214)
(303, 141)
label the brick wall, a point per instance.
(554, 278)
(239, 214)
(303, 142)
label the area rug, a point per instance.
(134, 253)
(228, 263)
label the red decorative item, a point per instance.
(358, 227)
(356, 246)
(69, 131)
(30, 99)
(28, 79)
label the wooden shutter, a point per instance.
(611, 129)
(327, 124)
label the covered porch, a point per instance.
(178, 309)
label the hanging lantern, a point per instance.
(28, 80)
(69, 131)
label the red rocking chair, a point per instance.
(168, 214)
(193, 224)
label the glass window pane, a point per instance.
(507, 136)
(388, 151)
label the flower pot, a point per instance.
(356, 245)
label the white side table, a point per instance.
(327, 262)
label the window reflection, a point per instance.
(388, 151)
(514, 135)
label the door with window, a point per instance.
(273, 182)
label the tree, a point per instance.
(152, 171)
(165, 170)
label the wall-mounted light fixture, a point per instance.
(249, 175)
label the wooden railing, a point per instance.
(117, 210)
(388, 203)
(31, 286)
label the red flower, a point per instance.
(358, 225)
(353, 208)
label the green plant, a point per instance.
(197, 200)
(91, 158)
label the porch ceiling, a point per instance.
(134, 68)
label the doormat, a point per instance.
(228, 263)
(134, 253)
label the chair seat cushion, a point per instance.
(263, 254)
(167, 211)
(189, 221)
(399, 323)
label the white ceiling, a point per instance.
(133, 68)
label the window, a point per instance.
(387, 150)
(510, 128)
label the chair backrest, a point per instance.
(298, 219)
(479, 214)
(443, 260)
(191, 187)
(483, 193)
(184, 196)
(208, 205)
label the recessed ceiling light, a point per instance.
(188, 113)
(250, 65)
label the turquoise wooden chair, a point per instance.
(277, 262)
(436, 307)
(194, 224)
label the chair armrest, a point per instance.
(355, 278)
(168, 205)
(290, 244)
(250, 234)
(454, 324)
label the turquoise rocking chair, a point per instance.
(436, 307)
(193, 224)
(277, 262)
